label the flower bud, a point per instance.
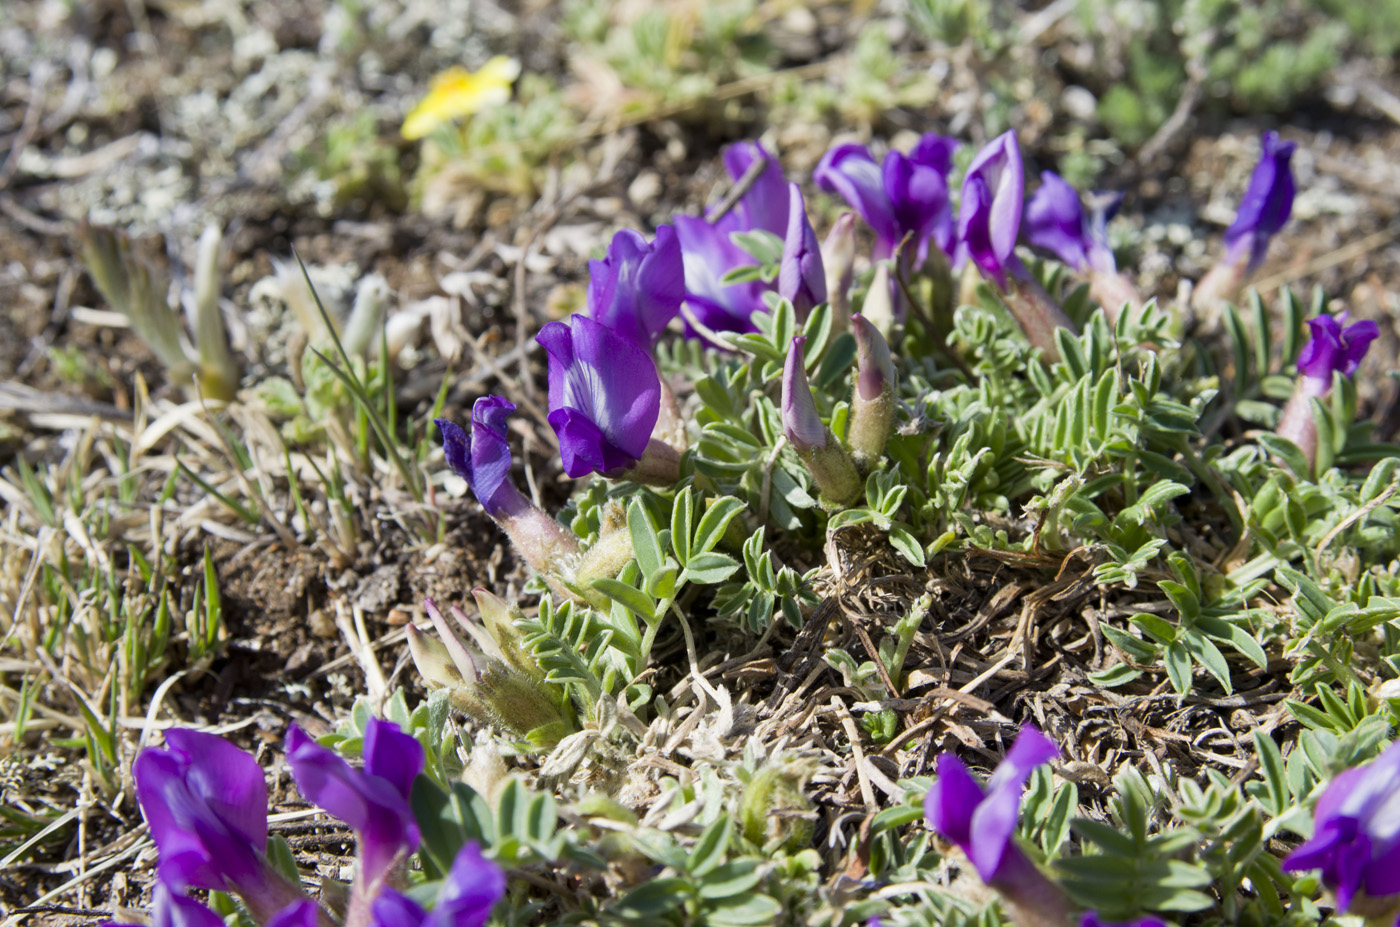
(801, 279)
(828, 462)
(432, 659)
(873, 401)
(500, 616)
(838, 261)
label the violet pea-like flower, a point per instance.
(1266, 205)
(709, 251)
(1335, 347)
(372, 800)
(638, 288)
(482, 457)
(604, 396)
(206, 803)
(471, 889)
(1055, 222)
(989, 217)
(982, 823)
(1263, 211)
(801, 275)
(1356, 838)
(906, 194)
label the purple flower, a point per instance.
(907, 194)
(801, 276)
(1266, 204)
(983, 822)
(1092, 919)
(372, 800)
(638, 288)
(206, 803)
(483, 457)
(709, 251)
(604, 396)
(989, 218)
(472, 888)
(1334, 348)
(765, 205)
(1356, 841)
(1055, 222)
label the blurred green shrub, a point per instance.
(1257, 57)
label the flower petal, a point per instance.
(801, 277)
(1357, 338)
(171, 909)
(918, 194)
(393, 755)
(989, 218)
(1055, 223)
(850, 172)
(457, 447)
(1266, 204)
(392, 909)
(994, 820)
(472, 888)
(1092, 919)
(604, 395)
(303, 913)
(458, 92)
(935, 151)
(708, 254)
(206, 804)
(482, 458)
(637, 290)
(373, 807)
(765, 205)
(227, 779)
(951, 800)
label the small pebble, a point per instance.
(1079, 103)
(645, 190)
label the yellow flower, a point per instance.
(458, 92)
